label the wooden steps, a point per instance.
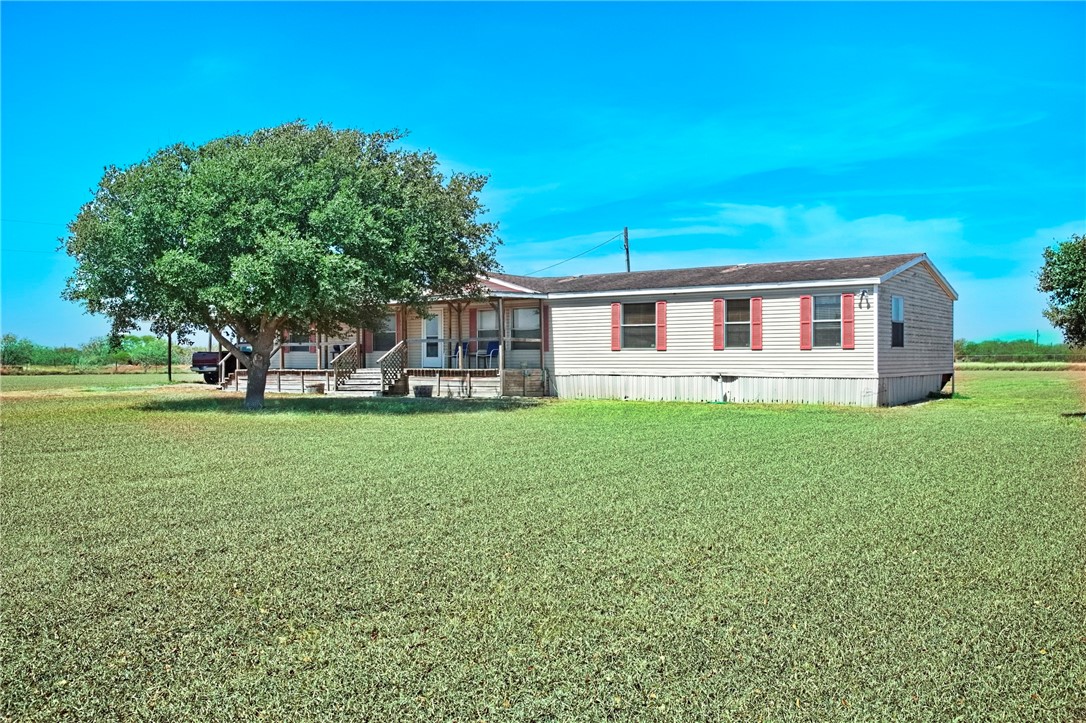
(362, 382)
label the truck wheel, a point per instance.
(211, 377)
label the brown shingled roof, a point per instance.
(740, 274)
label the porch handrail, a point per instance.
(393, 363)
(345, 363)
(222, 365)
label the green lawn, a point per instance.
(89, 382)
(167, 557)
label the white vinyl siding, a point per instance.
(929, 326)
(582, 340)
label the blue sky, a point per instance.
(717, 132)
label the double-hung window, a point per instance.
(737, 323)
(639, 326)
(826, 324)
(487, 329)
(525, 326)
(384, 336)
(299, 341)
(897, 321)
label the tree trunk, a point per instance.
(257, 378)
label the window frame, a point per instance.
(731, 324)
(486, 334)
(389, 327)
(897, 326)
(826, 323)
(291, 344)
(624, 325)
(536, 331)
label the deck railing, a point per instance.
(237, 368)
(460, 352)
(345, 363)
(392, 365)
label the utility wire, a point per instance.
(545, 268)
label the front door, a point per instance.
(433, 354)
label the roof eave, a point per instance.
(923, 259)
(865, 281)
(509, 284)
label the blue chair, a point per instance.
(452, 355)
(490, 354)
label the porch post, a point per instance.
(501, 337)
(403, 327)
(459, 335)
(542, 341)
(449, 323)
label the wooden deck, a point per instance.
(416, 382)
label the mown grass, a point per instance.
(88, 382)
(394, 560)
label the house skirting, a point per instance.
(864, 392)
(902, 390)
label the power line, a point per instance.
(545, 268)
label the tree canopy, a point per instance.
(295, 226)
(1063, 278)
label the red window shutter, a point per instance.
(545, 322)
(661, 326)
(312, 341)
(805, 312)
(473, 329)
(399, 327)
(848, 321)
(756, 323)
(718, 324)
(367, 341)
(616, 327)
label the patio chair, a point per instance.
(490, 354)
(452, 354)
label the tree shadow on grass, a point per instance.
(341, 405)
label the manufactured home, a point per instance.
(865, 331)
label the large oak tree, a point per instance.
(292, 227)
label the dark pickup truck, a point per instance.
(207, 363)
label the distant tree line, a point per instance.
(1020, 350)
(145, 351)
